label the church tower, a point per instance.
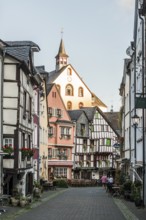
(61, 57)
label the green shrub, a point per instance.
(60, 183)
(127, 185)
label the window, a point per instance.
(88, 157)
(102, 127)
(54, 94)
(69, 90)
(58, 112)
(81, 157)
(96, 115)
(69, 105)
(29, 109)
(49, 153)
(101, 142)
(82, 129)
(50, 111)
(24, 105)
(29, 141)
(65, 133)
(106, 128)
(8, 141)
(81, 104)
(108, 142)
(50, 131)
(69, 72)
(23, 140)
(80, 92)
(61, 172)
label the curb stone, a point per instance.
(125, 211)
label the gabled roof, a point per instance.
(75, 114)
(53, 75)
(90, 111)
(113, 118)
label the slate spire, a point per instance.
(61, 57)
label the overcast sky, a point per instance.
(96, 36)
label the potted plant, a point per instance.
(14, 201)
(23, 201)
(27, 152)
(8, 149)
(37, 189)
(137, 197)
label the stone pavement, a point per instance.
(84, 203)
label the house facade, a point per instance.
(94, 146)
(60, 136)
(18, 85)
(132, 90)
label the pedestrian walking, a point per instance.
(104, 180)
(110, 182)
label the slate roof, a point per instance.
(61, 51)
(113, 118)
(49, 87)
(75, 114)
(41, 69)
(21, 44)
(90, 111)
(54, 74)
(20, 53)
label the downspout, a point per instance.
(38, 138)
(143, 111)
(2, 87)
(1, 132)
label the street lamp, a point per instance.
(135, 119)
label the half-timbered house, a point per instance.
(18, 82)
(93, 152)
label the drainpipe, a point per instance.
(1, 120)
(143, 111)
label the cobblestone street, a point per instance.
(84, 203)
